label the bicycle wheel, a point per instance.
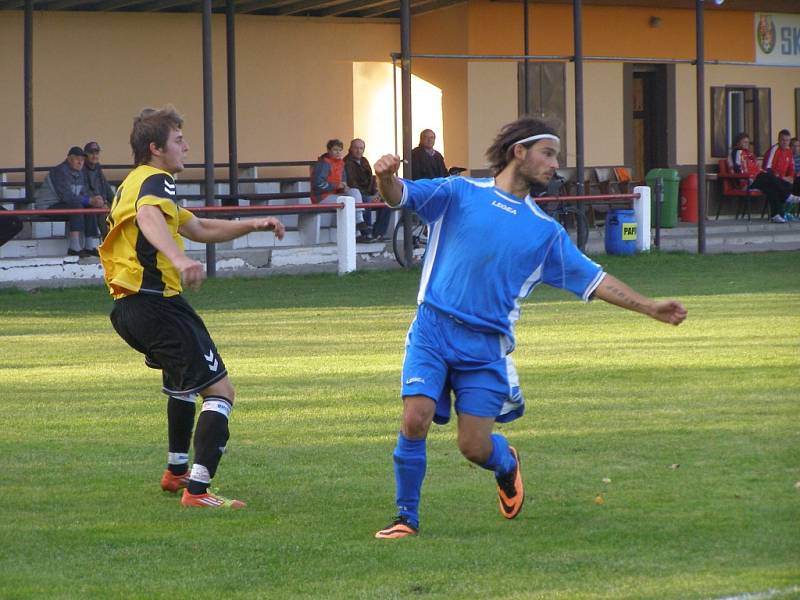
(419, 239)
(574, 221)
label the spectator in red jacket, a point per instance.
(794, 144)
(770, 178)
(329, 181)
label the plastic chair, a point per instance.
(734, 186)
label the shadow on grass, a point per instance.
(662, 275)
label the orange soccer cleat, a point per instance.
(510, 490)
(174, 483)
(399, 528)
(209, 500)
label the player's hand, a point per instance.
(192, 272)
(669, 311)
(270, 224)
(386, 166)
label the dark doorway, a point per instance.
(649, 104)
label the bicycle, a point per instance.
(419, 240)
(571, 217)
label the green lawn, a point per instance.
(696, 428)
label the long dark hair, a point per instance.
(500, 152)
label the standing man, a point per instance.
(427, 163)
(489, 246)
(145, 269)
(359, 176)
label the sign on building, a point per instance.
(777, 39)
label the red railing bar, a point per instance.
(273, 209)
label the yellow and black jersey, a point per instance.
(130, 262)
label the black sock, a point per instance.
(210, 438)
(180, 422)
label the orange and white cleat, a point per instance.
(510, 490)
(209, 500)
(399, 528)
(174, 483)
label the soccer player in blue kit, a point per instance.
(489, 246)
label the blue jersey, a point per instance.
(488, 249)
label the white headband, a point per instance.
(541, 136)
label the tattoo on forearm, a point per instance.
(625, 298)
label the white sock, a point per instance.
(200, 473)
(74, 243)
(177, 458)
(92, 243)
(792, 199)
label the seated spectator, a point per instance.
(95, 178)
(66, 187)
(794, 144)
(769, 179)
(427, 163)
(329, 181)
(359, 175)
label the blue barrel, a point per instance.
(621, 232)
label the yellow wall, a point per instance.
(442, 32)
(93, 72)
(493, 103)
(497, 28)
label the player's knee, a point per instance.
(414, 426)
(222, 388)
(474, 449)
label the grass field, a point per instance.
(696, 428)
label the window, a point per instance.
(740, 109)
(797, 112)
(546, 96)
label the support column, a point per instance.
(701, 128)
(405, 61)
(28, 98)
(577, 25)
(208, 129)
(233, 150)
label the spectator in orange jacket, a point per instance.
(329, 181)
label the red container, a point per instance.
(688, 196)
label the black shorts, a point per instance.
(172, 338)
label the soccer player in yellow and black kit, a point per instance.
(145, 268)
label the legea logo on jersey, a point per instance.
(504, 207)
(411, 380)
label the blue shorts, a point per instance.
(444, 355)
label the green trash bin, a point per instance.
(669, 208)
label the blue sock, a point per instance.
(501, 460)
(410, 461)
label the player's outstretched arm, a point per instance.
(220, 230)
(614, 291)
(389, 185)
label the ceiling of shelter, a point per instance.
(360, 8)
